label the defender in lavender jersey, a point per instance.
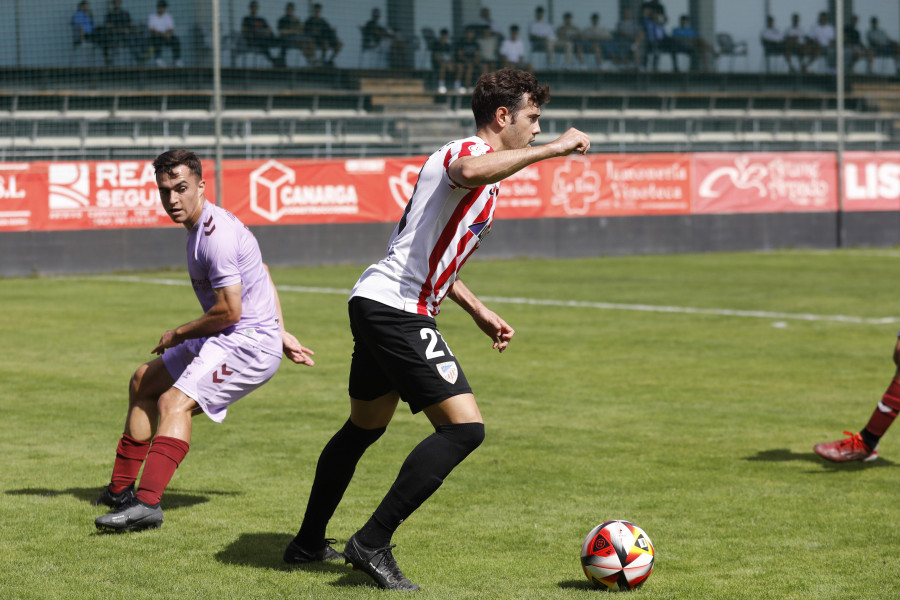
(398, 351)
(203, 366)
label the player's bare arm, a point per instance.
(224, 313)
(293, 349)
(487, 320)
(474, 171)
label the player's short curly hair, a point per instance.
(167, 161)
(505, 87)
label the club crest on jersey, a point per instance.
(477, 149)
(449, 371)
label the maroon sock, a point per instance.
(886, 411)
(130, 457)
(165, 455)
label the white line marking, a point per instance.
(687, 310)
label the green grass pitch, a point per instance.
(696, 422)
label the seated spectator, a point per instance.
(593, 39)
(688, 41)
(257, 34)
(443, 61)
(568, 39)
(854, 46)
(120, 31)
(822, 37)
(512, 51)
(468, 56)
(323, 36)
(656, 41)
(881, 44)
(541, 35)
(381, 39)
(83, 26)
(291, 35)
(161, 32)
(487, 49)
(772, 40)
(629, 35)
(797, 43)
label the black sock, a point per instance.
(870, 439)
(421, 475)
(333, 474)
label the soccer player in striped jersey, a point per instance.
(398, 351)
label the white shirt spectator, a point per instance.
(543, 29)
(512, 50)
(161, 23)
(823, 34)
(771, 34)
(795, 32)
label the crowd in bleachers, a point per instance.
(636, 41)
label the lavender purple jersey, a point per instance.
(221, 252)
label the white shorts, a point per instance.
(219, 370)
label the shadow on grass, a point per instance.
(265, 551)
(172, 499)
(577, 584)
(785, 455)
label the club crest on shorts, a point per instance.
(449, 371)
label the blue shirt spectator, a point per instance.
(83, 20)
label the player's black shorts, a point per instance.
(397, 350)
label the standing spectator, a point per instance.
(541, 35)
(597, 39)
(291, 35)
(657, 9)
(512, 51)
(161, 30)
(568, 39)
(821, 36)
(120, 31)
(257, 34)
(689, 41)
(881, 44)
(323, 36)
(796, 43)
(443, 61)
(854, 45)
(485, 20)
(488, 46)
(468, 56)
(772, 41)
(629, 36)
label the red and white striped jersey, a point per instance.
(442, 225)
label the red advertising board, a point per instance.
(318, 191)
(47, 196)
(871, 181)
(763, 182)
(366, 190)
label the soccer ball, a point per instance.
(617, 555)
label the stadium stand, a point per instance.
(370, 115)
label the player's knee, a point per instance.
(467, 436)
(174, 401)
(137, 379)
